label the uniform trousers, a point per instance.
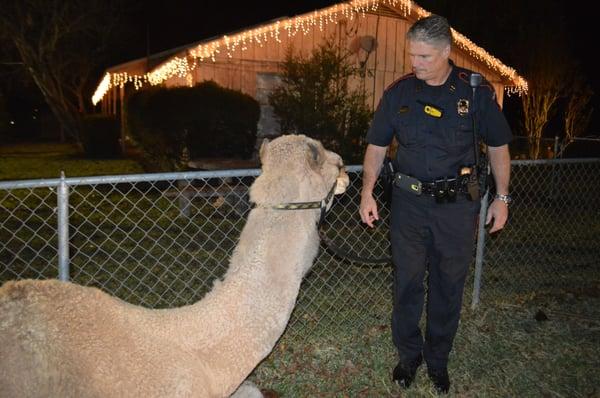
(437, 239)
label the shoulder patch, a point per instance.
(464, 76)
(405, 77)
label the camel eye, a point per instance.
(314, 153)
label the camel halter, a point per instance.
(322, 204)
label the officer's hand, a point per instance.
(498, 210)
(368, 209)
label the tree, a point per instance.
(546, 86)
(4, 117)
(578, 111)
(62, 45)
(541, 51)
(318, 98)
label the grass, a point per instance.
(47, 160)
(500, 351)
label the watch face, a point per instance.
(505, 198)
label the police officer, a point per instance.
(431, 112)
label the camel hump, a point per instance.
(18, 290)
(37, 292)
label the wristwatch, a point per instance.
(504, 198)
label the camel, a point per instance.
(60, 339)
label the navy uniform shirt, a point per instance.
(435, 147)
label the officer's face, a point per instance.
(429, 61)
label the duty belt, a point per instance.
(443, 189)
(430, 188)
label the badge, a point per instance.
(462, 106)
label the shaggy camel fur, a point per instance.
(58, 339)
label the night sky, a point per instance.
(185, 21)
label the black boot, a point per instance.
(404, 373)
(440, 379)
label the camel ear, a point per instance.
(263, 150)
(314, 155)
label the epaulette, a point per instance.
(405, 77)
(485, 83)
(465, 77)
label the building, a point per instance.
(248, 60)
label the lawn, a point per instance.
(500, 351)
(47, 160)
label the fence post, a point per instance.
(184, 198)
(63, 228)
(555, 181)
(480, 250)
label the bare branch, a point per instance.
(578, 112)
(61, 44)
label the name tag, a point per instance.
(432, 110)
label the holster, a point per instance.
(484, 179)
(387, 178)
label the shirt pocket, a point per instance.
(406, 130)
(461, 135)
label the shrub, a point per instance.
(100, 136)
(316, 98)
(208, 120)
(4, 119)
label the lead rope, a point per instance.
(343, 254)
(328, 243)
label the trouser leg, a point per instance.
(409, 257)
(449, 260)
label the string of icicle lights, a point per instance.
(480, 54)
(492, 62)
(182, 66)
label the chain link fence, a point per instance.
(551, 243)
(160, 240)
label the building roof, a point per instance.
(181, 60)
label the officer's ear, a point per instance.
(446, 51)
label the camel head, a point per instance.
(296, 168)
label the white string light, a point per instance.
(520, 84)
(183, 66)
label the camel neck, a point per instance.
(275, 250)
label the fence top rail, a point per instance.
(553, 161)
(592, 137)
(191, 175)
(125, 178)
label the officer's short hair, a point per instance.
(433, 29)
